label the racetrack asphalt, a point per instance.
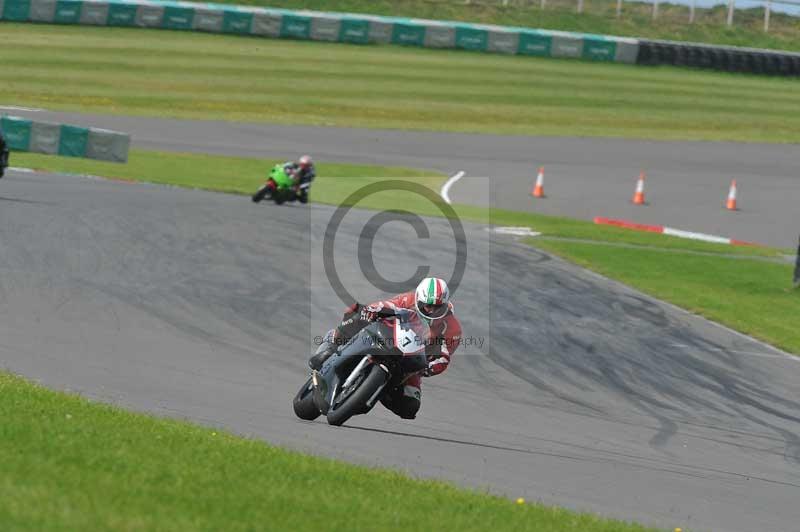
(586, 393)
(686, 187)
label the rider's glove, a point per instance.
(370, 312)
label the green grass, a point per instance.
(571, 229)
(69, 464)
(598, 17)
(753, 297)
(239, 175)
(192, 75)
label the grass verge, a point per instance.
(69, 464)
(753, 297)
(218, 173)
(194, 75)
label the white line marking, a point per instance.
(15, 108)
(696, 236)
(446, 187)
(25, 170)
(516, 231)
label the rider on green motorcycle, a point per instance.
(289, 181)
(302, 173)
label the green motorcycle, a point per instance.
(281, 188)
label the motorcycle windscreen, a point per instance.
(367, 341)
(409, 334)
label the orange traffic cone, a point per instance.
(638, 196)
(538, 188)
(731, 204)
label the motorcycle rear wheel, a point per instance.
(356, 402)
(280, 197)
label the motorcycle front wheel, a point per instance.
(303, 403)
(356, 401)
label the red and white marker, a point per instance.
(672, 232)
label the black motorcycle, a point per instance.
(382, 356)
(3, 161)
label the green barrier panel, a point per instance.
(237, 22)
(295, 27)
(120, 14)
(17, 132)
(354, 30)
(67, 12)
(531, 43)
(73, 141)
(599, 49)
(17, 10)
(471, 38)
(177, 18)
(408, 34)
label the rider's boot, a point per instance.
(316, 361)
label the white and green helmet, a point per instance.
(433, 298)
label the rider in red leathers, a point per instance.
(431, 301)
